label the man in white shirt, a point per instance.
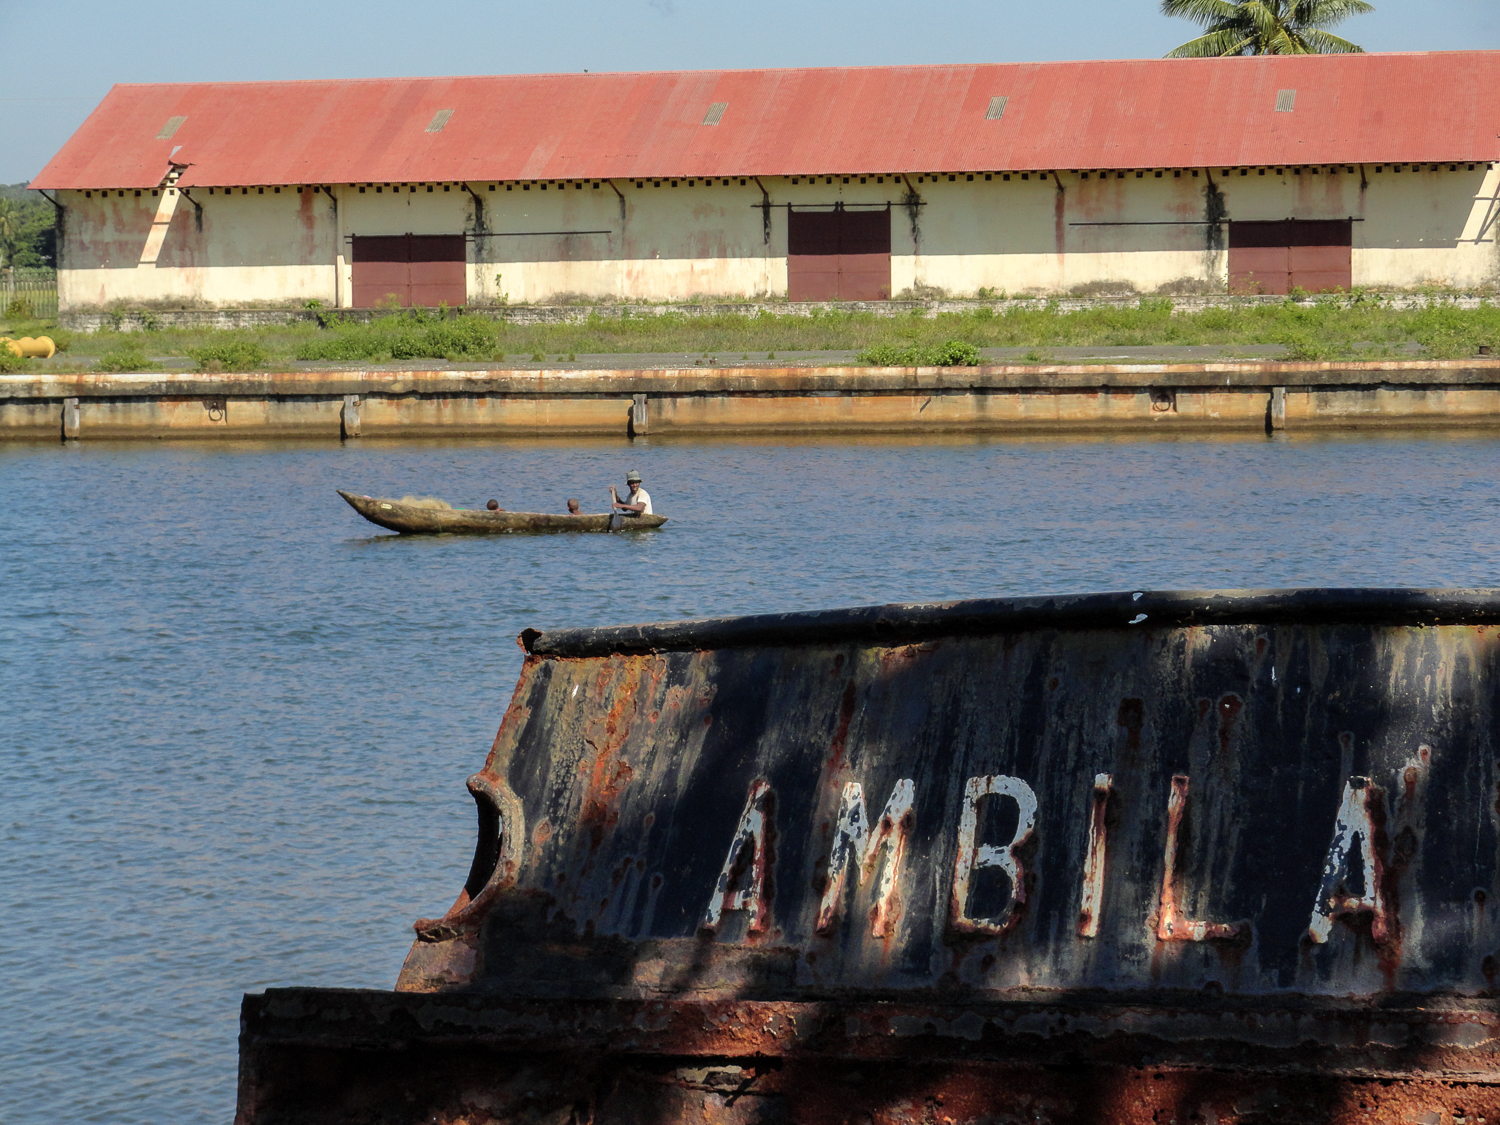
(638, 503)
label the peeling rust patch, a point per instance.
(841, 733)
(1230, 706)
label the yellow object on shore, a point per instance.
(26, 347)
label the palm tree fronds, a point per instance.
(1327, 13)
(1214, 45)
(1264, 20)
(1326, 44)
(1200, 11)
(1264, 27)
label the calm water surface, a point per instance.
(235, 719)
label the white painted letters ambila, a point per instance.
(1171, 924)
(1091, 903)
(1350, 884)
(1353, 830)
(854, 842)
(742, 882)
(973, 855)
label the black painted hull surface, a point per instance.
(1119, 858)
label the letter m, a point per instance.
(856, 843)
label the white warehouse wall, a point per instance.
(1039, 232)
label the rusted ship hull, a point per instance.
(413, 519)
(1134, 857)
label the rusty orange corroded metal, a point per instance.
(312, 1057)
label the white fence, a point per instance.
(25, 294)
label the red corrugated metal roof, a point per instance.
(1126, 114)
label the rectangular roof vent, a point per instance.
(715, 113)
(997, 108)
(172, 125)
(439, 119)
(1285, 100)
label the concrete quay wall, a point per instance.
(1000, 399)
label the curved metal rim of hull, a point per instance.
(408, 519)
(905, 623)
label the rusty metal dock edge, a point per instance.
(1244, 396)
(1133, 857)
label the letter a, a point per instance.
(1359, 815)
(972, 855)
(854, 843)
(742, 883)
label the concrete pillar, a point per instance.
(70, 419)
(349, 417)
(639, 421)
(343, 298)
(1278, 408)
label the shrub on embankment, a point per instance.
(1328, 328)
(1450, 333)
(123, 360)
(410, 336)
(229, 355)
(952, 353)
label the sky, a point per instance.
(65, 54)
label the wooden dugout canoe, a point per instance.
(412, 519)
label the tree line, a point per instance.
(28, 229)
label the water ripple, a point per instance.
(235, 723)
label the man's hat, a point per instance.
(632, 475)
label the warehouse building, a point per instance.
(1257, 174)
